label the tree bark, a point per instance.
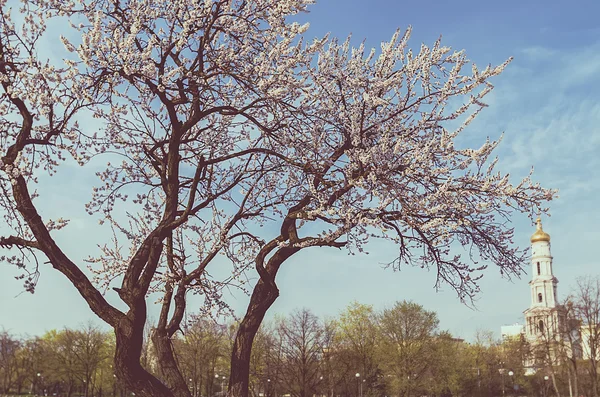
(263, 296)
(129, 341)
(164, 331)
(167, 363)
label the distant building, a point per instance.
(546, 328)
(545, 318)
(513, 331)
(585, 333)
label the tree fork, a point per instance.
(129, 335)
(167, 363)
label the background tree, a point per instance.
(483, 363)
(266, 362)
(31, 363)
(408, 335)
(76, 361)
(567, 346)
(449, 367)
(586, 306)
(339, 364)
(302, 335)
(357, 332)
(61, 349)
(455, 367)
(9, 347)
(202, 353)
(514, 353)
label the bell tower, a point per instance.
(544, 314)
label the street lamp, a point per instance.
(502, 370)
(40, 384)
(327, 354)
(512, 382)
(359, 384)
(222, 381)
(546, 378)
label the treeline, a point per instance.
(399, 351)
(65, 362)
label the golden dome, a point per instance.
(540, 234)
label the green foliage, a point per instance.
(65, 362)
(203, 351)
(399, 351)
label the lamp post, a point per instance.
(321, 387)
(40, 387)
(546, 378)
(326, 354)
(502, 370)
(268, 387)
(512, 381)
(359, 384)
(114, 384)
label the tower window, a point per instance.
(541, 326)
(538, 268)
(540, 299)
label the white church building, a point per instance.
(545, 320)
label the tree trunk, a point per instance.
(263, 297)
(570, 384)
(129, 342)
(554, 383)
(167, 363)
(575, 377)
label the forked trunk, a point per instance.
(167, 363)
(129, 340)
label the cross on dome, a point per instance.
(540, 234)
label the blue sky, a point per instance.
(546, 103)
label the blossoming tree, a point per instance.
(218, 117)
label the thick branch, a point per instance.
(58, 258)
(8, 242)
